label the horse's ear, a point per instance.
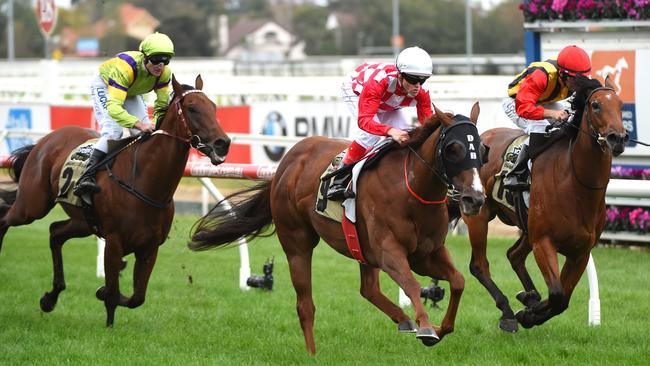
(443, 117)
(178, 90)
(476, 109)
(608, 82)
(198, 83)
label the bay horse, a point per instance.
(131, 223)
(401, 217)
(567, 205)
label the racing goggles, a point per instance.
(160, 59)
(414, 79)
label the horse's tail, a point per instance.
(16, 162)
(248, 217)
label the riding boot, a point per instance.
(517, 179)
(87, 184)
(339, 188)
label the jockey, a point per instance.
(376, 94)
(533, 97)
(117, 97)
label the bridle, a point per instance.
(591, 132)
(440, 170)
(192, 140)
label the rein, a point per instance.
(189, 140)
(408, 186)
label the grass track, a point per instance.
(211, 322)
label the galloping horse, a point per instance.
(131, 223)
(567, 205)
(401, 217)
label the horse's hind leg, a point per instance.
(298, 245)
(371, 291)
(60, 232)
(517, 255)
(23, 211)
(480, 268)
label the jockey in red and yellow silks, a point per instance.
(533, 98)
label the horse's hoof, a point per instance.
(528, 299)
(47, 305)
(509, 325)
(101, 293)
(428, 336)
(521, 318)
(407, 326)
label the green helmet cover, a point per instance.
(157, 43)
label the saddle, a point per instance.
(334, 212)
(75, 164)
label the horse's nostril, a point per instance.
(222, 144)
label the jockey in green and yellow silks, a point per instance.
(117, 91)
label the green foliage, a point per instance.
(195, 313)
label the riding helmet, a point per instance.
(157, 43)
(414, 61)
(574, 60)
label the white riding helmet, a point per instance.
(414, 61)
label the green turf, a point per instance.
(209, 321)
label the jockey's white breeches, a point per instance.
(395, 118)
(111, 130)
(528, 125)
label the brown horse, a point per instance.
(131, 223)
(401, 217)
(567, 205)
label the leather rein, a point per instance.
(192, 140)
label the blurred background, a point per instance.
(297, 28)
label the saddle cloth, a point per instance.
(499, 193)
(71, 171)
(75, 165)
(335, 211)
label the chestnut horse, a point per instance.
(131, 223)
(401, 217)
(567, 205)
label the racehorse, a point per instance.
(567, 205)
(401, 217)
(136, 223)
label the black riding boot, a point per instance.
(87, 184)
(339, 188)
(517, 179)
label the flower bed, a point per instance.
(635, 220)
(572, 10)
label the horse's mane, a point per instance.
(420, 134)
(584, 86)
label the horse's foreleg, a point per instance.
(144, 262)
(397, 267)
(371, 291)
(60, 232)
(480, 268)
(546, 258)
(517, 255)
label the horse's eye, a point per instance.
(454, 152)
(191, 109)
(595, 105)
